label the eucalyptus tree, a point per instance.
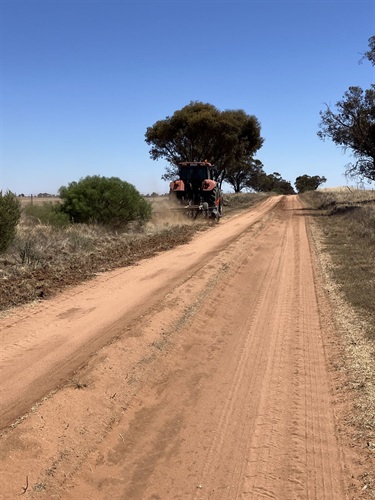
(200, 131)
(352, 125)
(308, 182)
(245, 175)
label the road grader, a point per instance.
(197, 190)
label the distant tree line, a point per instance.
(39, 195)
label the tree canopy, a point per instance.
(352, 125)
(370, 54)
(199, 131)
(244, 175)
(308, 183)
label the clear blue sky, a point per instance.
(81, 80)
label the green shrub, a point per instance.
(48, 213)
(102, 200)
(10, 213)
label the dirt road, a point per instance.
(198, 374)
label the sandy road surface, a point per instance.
(199, 374)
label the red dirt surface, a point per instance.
(201, 373)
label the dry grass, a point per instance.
(348, 224)
(241, 201)
(37, 200)
(343, 197)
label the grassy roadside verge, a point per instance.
(343, 230)
(45, 259)
(347, 222)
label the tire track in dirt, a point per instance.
(292, 452)
(254, 379)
